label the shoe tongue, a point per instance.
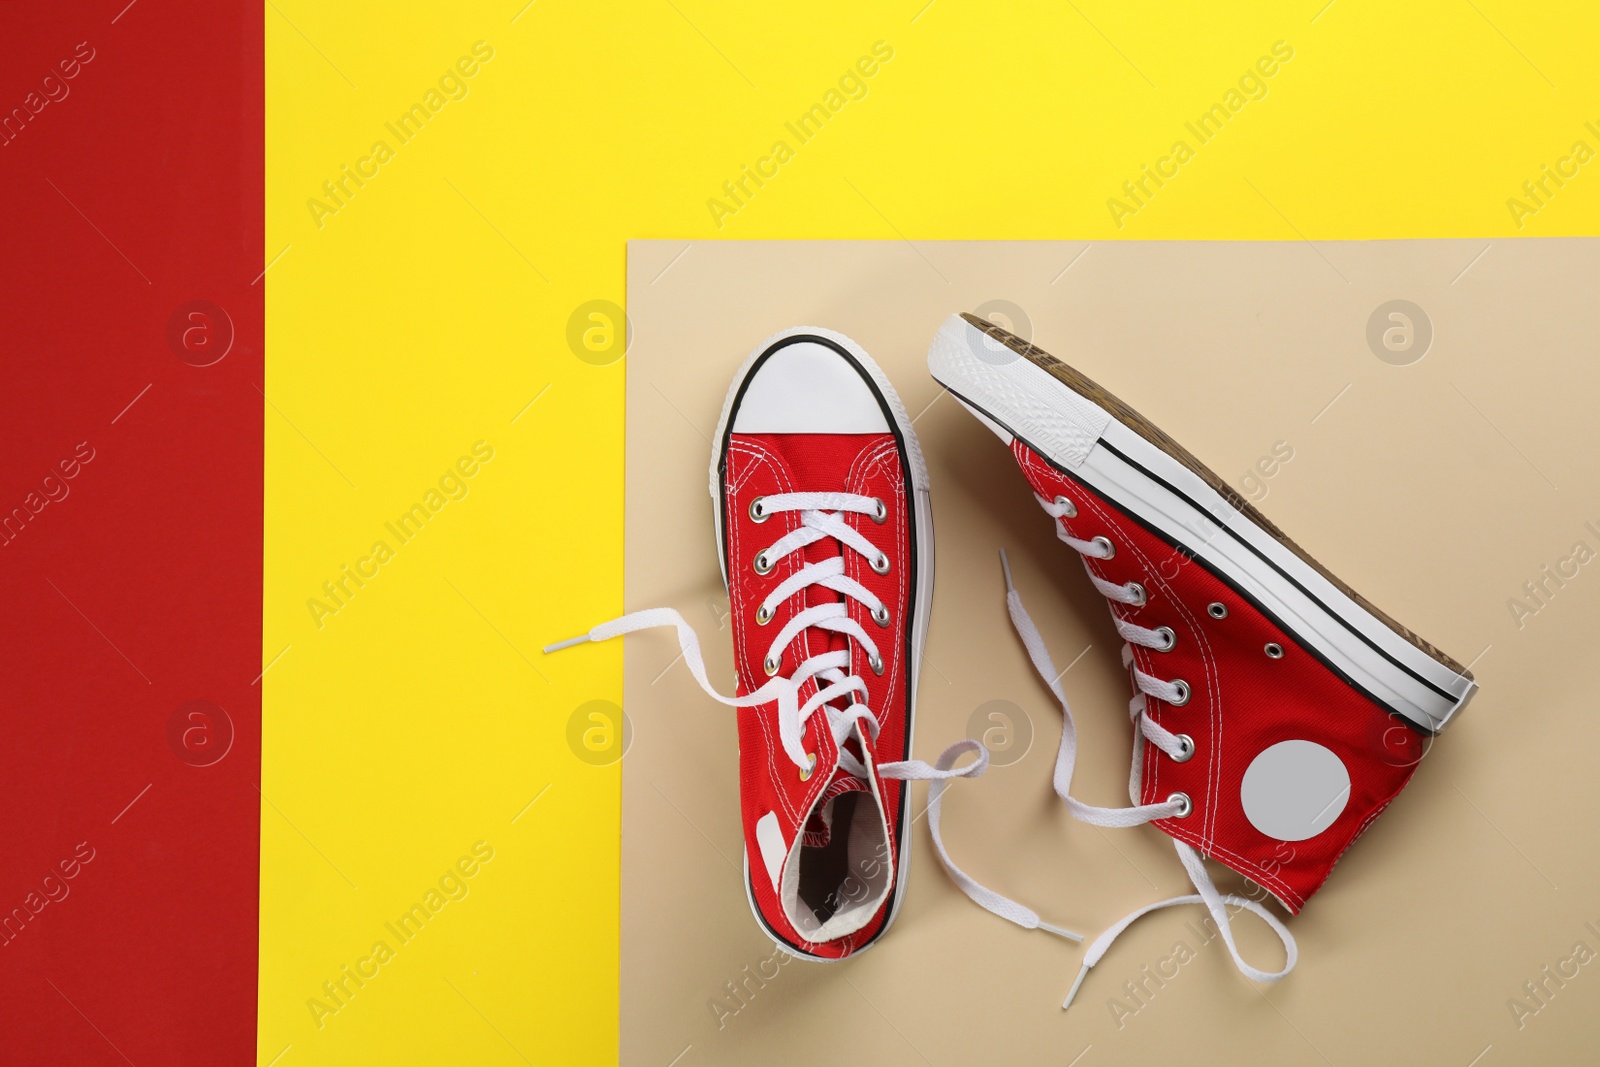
(820, 552)
(821, 463)
(815, 461)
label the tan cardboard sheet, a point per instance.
(1447, 472)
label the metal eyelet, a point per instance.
(806, 774)
(1217, 610)
(881, 564)
(1185, 749)
(1069, 510)
(1183, 693)
(880, 511)
(1273, 650)
(757, 512)
(1139, 591)
(1188, 805)
(881, 615)
(1107, 549)
(771, 665)
(763, 616)
(763, 564)
(1169, 639)
(876, 663)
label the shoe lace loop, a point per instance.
(1145, 729)
(1173, 692)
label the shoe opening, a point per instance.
(841, 868)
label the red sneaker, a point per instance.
(825, 535)
(1280, 712)
(825, 538)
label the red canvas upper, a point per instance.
(1242, 702)
(866, 464)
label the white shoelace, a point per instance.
(821, 516)
(1066, 758)
(1176, 746)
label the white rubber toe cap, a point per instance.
(806, 387)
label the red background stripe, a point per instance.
(134, 189)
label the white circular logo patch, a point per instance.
(1294, 790)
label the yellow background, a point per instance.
(432, 308)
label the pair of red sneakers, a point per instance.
(1271, 703)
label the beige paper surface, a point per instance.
(1437, 486)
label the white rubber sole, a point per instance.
(900, 422)
(1017, 399)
